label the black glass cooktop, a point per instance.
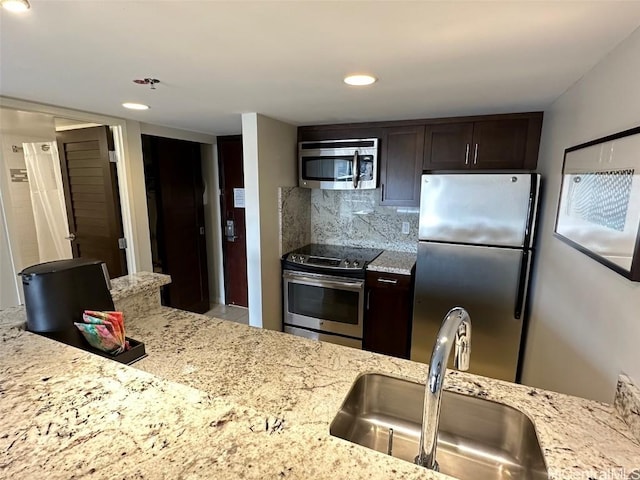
(336, 252)
(331, 257)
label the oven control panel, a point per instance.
(303, 259)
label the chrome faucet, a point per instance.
(456, 327)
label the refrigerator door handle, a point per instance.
(531, 211)
(523, 284)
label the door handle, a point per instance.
(230, 231)
(466, 155)
(392, 281)
(356, 169)
(521, 295)
(71, 237)
(475, 155)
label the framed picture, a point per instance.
(599, 206)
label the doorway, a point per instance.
(175, 189)
(234, 242)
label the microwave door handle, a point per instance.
(356, 169)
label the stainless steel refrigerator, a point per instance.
(475, 249)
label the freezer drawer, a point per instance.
(480, 209)
(490, 283)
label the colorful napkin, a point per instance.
(104, 331)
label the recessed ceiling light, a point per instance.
(359, 80)
(135, 106)
(16, 5)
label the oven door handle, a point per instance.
(355, 285)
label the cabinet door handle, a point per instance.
(466, 155)
(388, 280)
(368, 297)
(475, 155)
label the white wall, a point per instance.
(269, 150)
(213, 223)
(585, 326)
(135, 219)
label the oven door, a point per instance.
(324, 303)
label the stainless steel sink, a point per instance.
(478, 439)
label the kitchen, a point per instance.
(569, 353)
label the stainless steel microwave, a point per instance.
(338, 164)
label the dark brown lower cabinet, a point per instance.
(388, 313)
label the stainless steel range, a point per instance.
(323, 288)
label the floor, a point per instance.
(230, 312)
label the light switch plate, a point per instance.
(405, 228)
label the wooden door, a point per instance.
(92, 198)
(175, 167)
(499, 144)
(401, 165)
(234, 244)
(448, 146)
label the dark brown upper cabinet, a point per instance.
(447, 146)
(495, 143)
(499, 143)
(401, 165)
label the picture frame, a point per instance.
(599, 204)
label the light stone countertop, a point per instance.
(627, 403)
(65, 413)
(390, 261)
(198, 407)
(136, 283)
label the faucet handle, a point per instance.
(462, 350)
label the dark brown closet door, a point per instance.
(182, 249)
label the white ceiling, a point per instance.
(217, 60)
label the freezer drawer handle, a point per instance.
(522, 285)
(388, 280)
